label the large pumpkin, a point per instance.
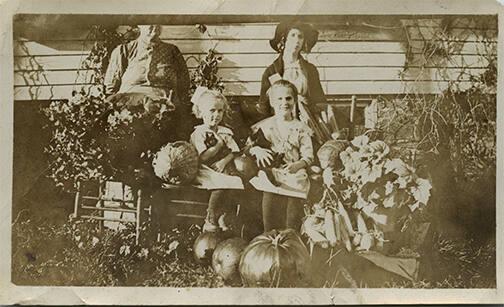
(205, 244)
(176, 163)
(275, 259)
(226, 258)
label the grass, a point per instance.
(47, 249)
(75, 254)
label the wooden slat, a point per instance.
(31, 48)
(470, 35)
(112, 209)
(229, 60)
(266, 31)
(355, 87)
(93, 217)
(72, 62)
(52, 77)
(202, 46)
(252, 89)
(263, 46)
(254, 74)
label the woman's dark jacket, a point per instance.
(315, 93)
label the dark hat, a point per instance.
(310, 34)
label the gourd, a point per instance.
(176, 163)
(246, 167)
(205, 244)
(275, 259)
(328, 154)
(226, 258)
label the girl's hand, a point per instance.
(263, 156)
(220, 142)
(295, 166)
(219, 165)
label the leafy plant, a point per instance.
(373, 193)
(459, 123)
(91, 139)
(206, 72)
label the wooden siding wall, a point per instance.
(362, 60)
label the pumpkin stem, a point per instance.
(276, 240)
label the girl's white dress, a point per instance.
(207, 178)
(293, 139)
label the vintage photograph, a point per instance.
(254, 151)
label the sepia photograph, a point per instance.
(229, 151)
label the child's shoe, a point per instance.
(210, 227)
(224, 226)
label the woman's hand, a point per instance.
(294, 167)
(263, 156)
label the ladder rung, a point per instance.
(105, 219)
(189, 202)
(194, 216)
(109, 209)
(108, 199)
(344, 104)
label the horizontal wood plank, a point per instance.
(31, 48)
(229, 60)
(348, 57)
(254, 74)
(73, 62)
(253, 88)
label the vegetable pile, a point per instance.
(369, 196)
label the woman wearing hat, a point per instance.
(292, 38)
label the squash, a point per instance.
(246, 167)
(226, 258)
(176, 163)
(328, 153)
(205, 244)
(275, 259)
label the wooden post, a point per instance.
(352, 115)
(138, 215)
(77, 200)
(371, 115)
(101, 203)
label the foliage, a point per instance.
(77, 254)
(206, 73)
(91, 139)
(459, 123)
(75, 157)
(371, 194)
(458, 264)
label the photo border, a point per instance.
(12, 294)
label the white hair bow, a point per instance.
(197, 93)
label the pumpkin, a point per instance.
(328, 153)
(176, 163)
(205, 244)
(246, 167)
(275, 259)
(226, 258)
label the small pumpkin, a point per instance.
(246, 167)
(205, 244)
(226, 258)
(275, 259)
(328, 154)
